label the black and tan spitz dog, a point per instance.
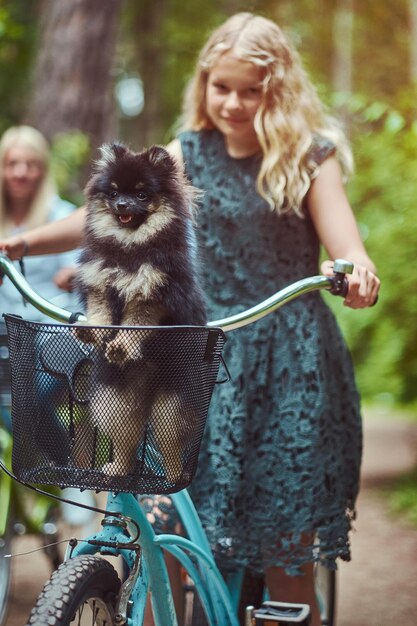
(139, 261)
(138, 268)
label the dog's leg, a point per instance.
(169, 434)
(125, 346)
(98, 314)
(119, 414)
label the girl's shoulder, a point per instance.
(321, 148)
(200, 138)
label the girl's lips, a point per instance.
(232, 120)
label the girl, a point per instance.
(279, 469)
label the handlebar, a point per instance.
(48, 308)
(336, 284)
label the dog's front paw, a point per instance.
(116, 353)
(84, 334)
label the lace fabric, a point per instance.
(281, 453)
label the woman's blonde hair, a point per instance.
(290, 114)
(31, 139)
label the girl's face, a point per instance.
(22, 173)
(233, 96)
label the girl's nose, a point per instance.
(233, 100)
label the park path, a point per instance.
(377, 588)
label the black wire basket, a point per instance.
(5, 397)
(117, 409)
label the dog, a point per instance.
(138, 268)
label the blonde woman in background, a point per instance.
(29, 198)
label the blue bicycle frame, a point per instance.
(144, 555)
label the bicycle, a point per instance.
(85, 581)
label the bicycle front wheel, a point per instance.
(81, 591)
(5, 568)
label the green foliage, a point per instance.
(69, 155)
(382, 193)
(18, 29)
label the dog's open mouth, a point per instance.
(130, 220)
(125, 219)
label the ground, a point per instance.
(377, 588)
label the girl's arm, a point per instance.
(338, 232)
(59, 236)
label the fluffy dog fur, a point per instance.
(138, 268)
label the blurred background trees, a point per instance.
(86, 71)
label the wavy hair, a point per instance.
(31, 139)
(290, 113)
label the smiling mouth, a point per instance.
(130, 220)
(125, 219)
(233, 120)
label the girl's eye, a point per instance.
(220, 87)
(142, 195)
(113, 194)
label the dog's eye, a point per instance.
(142, 195)
(114, 194)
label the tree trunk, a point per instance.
(413, 40)
(150, 54)
(72, 78)
(343, 46)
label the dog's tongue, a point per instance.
(125, 219)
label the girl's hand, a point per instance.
(363, 285)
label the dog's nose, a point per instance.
(121, 205)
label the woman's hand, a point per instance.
(64, 278)
(14, 247)
(363, 285)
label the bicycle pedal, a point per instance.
(282, 613)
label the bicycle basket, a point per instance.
(4, 369)
(118, 409)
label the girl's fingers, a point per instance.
(363, 288)
(363, 285)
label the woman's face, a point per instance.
(22, 174)
(233, 96)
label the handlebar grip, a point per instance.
(340, 285)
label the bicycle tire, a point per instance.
(326, 591)
(84, 583)
(5, 568)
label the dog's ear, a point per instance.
(159, 156)
(109, 153)
(119, 149)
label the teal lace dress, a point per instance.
(281, 454)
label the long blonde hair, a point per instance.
(290, 114)
(32, 139)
